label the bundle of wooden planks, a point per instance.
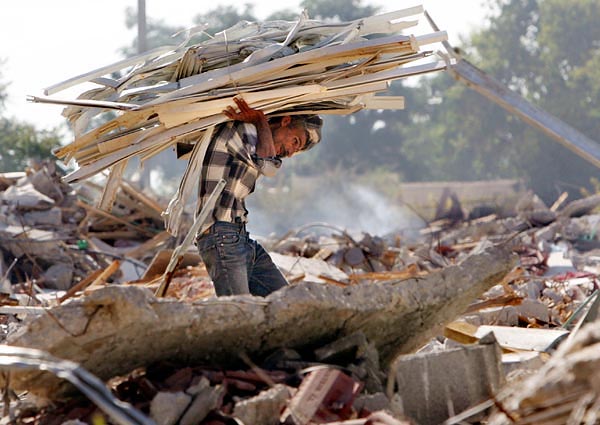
(177, 93)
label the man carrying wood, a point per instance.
(239, 152)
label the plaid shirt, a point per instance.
(231, 155)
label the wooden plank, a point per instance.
(81, 285)
(149, 245)
(530, 339)
(212, 79)
(385, 102)
(174, 116)
(102, 213)
(119, 106)
(105, 70)
(109, 192)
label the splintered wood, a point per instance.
(177, 93)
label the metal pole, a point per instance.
(141, 15)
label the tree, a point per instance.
(457, 134)
(338, 10)
(3, 87)
(20, 142)
(223, 17)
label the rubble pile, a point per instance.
(51, 235)
(287, 390)
(373, 329)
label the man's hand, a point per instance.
(265, 147)
(246, 113)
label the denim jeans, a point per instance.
(236, 263)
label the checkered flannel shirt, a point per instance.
(231, 155)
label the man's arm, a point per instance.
(265, 148)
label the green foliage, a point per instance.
(225, 16)
(158, 33)
(538, 49)
(340, 10)
(21, 142)
(284, 15)
(3, 87)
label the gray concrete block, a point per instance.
(429, 383)
(533, 309)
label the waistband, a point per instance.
(224, 226)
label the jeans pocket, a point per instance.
(206, 242)
(230, 246)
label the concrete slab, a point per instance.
(115, 329)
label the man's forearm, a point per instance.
(265, 148)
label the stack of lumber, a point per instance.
(177, 93)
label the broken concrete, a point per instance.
(26, 197)
(436, 385)
(116, 329)
(265, 408)
(205, 400)
(166, 408)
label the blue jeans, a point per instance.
(236, 263)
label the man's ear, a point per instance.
(286, 120)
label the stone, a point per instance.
(51, 217)
(59, 276)
(37, 243)
(167, 408)
(534, 309)
(502, 316)
(525, 360)
(26, 197)
(207, 399)
(531, 289)
(265, 408)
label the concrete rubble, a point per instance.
(116, 329)
(391, 329)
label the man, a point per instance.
(239, 152)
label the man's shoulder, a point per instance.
(231, 128)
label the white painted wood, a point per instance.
(112, 185)
(385, 102)
(523, 338)
(173, 116)
(96, 73)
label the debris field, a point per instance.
(386, 327)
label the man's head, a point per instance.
(295, 133)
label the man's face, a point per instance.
(288, 139)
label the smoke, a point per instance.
(353, 207)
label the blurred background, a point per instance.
(375, 171)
